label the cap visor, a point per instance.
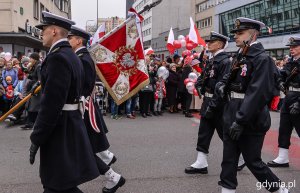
(40, 26)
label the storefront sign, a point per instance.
(35, 32)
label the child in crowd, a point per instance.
(160, 93)
(9, 94)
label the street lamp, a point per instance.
(86, 24)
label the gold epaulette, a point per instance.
(55, 50)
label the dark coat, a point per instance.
(98, 141)
(66, 156)
(172, 86)
(291, 96)
(185, 74)
(217, 67)
(33, 104)
(258, 85)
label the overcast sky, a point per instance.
(87, 10)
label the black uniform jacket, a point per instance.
(216, 68)
(258, 85)
(98, 141)
(292, 96)
(66, 156)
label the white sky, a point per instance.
(83, 10)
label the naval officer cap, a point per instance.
(294, 41)
(52, 19)
(75, 31)
(243, 23)
(214, 36)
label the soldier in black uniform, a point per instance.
(66, 155)
(246, 115)
(290, 111)
(211, 109)
(93, 119)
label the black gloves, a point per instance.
(34, 87)
(235, 131)
(32, 152)
(209, 113)
(295, 108)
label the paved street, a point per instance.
(152, 154)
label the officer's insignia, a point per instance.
(55, 50)
(126, 60)
(291, 40)
(81, 54)
(237, 23)
(244, 70)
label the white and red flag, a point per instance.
(194, 34)
(98, 34)
(170, 42)
(149, 51)
(120, 61)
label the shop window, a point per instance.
(42, 9)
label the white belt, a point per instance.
(236, 95)
(294, 89)
(208, 95)
(70, 107)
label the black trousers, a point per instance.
(206, 131)
(101, 165)
(286, 126)
(145, 100)
(20, 110)
(187, 100)
(71, 190)
(250, 146)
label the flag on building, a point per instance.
(194, 34)
(171, 39)
(98, 34)
(120, 61)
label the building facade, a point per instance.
(282, 16)
(17, 32)
(138, 5)
(110, 23)
(129, 4)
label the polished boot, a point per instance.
(282, 160)
(114, 181)
(200, 166)
(107, 157)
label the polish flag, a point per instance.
(194, 34)
(149, 51)
(171, 39)
(99, 34)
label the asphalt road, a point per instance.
(152, 154)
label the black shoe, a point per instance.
(149, 114)
(159, 113)
(27, 127)
(277, 165)
(189, 115)
(239, 168)
(115, 188)
(191, 170)
(144, 115)
(155, 113)
(114, 159)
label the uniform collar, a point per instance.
(218, 52)
(255, 49)
(57, 42)
(79, 49)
